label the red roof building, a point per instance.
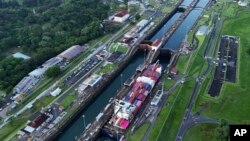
(156, 42)
(121, 13)
(173, 71)
(38, 121)
(121, 16)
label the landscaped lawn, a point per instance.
(120, 48)
(139, 133)
(171, 125)
(68, 100)
(201, 132)
(181, 64)
(159, 123)
(106, 69)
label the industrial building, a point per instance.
(132, 35)
(134, 31)
(202, 30)
(56, 92)
(71, 52)
(119, 17)
(39, 72)
(25, 84)
(92, 80)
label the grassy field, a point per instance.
(163, 116)
(181, 65)
(11, 127)
(166, 10)
(234, 96)
(107, 68)
(171, 125)
(201, 132)
(168, 83)
(68, 100)
(120, 48)
(138, 135)
(197, 61)
(231, 10)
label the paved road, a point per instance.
(190, 121)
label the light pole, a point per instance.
(117, 135)
(144, 56)
(84, 124)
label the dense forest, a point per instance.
(44, 28)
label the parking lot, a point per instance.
(115, 57)
(225, 64)
(232, 60)
(81, 71)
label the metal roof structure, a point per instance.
(71, 52)
(21, 55)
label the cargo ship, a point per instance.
(126, 107)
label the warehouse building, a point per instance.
(121, 16)
(39, 72)
(71, 52)
(92, 80)
(25, 84)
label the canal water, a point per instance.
(169, 23)
(175, 40)
(90, 112)
(186, 3)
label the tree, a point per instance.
(126, 3)
(53, 71)
(248, 51)
(137, 16)
(45, 28)
(222, 132)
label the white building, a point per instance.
(136, 30)
(242, 3)
(56, 92)
(121, 16)
(202, 30)
(39, 72)
(25, 85)
(72, 52)
(92, 80)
